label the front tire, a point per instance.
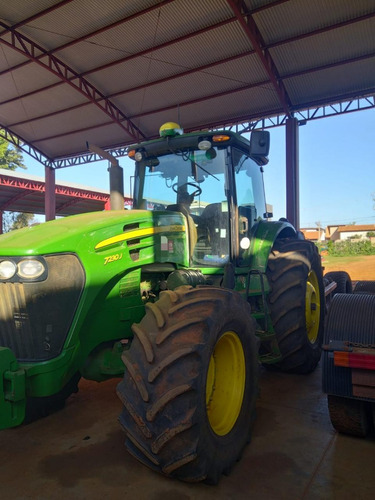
(190, 383)
(296, 303)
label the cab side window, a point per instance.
(250, 196)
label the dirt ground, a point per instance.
(358, 268)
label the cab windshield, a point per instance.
(194, 183)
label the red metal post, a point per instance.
(50, 194)
(292, 172)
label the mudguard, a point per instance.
(12, 390)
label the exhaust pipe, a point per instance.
(116, 177)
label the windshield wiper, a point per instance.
(204, 170)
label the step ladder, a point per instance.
(269, 351)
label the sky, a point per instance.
(336, 165)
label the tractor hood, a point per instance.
(160, 235)
(65, 233)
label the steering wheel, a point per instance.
(177, 189)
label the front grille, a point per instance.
(35, 317)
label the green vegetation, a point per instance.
(10, 159)
(350, 248)
(15, 220)
(10, 156)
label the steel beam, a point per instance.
(292, 171)
(15, 198)
(79, 39)
(51, 63)
(50, 194)
(346, 104)
(20, 143)
(251, 30)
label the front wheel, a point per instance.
(296, 303)
(190, 383)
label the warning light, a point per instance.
(220, 138)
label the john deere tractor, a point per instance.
(181, 297)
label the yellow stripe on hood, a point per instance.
(138, 233)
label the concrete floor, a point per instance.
(78, 453)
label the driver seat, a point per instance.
(192, 230)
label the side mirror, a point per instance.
(260, 143)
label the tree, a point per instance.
(10, 156)
(10, 159)
(16, 220)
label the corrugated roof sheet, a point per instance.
(73, 71)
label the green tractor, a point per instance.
(181, 297)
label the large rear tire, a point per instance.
(190, 383)
(296, 303)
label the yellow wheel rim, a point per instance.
(312, 307)
(225, 383)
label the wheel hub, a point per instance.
(225, 384)
(312, 307)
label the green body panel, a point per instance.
(111, 298)
(262, 239)
(12, 390)
(102, 268)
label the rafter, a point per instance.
(184, 73)
(38, 15)
(269, 46)
(243, 124)
(51, 63)
(251, 30)
(15, 198)
(21, 143)
(198, 69)
(276, 82)
(143, 53)
(84, 37)
(260, 84)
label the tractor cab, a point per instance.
(214, 179)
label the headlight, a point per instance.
(30, 268)
(7, 269)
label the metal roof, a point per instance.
(25, 193)
(111, 72)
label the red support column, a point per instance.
(292, 172)
(50, 194)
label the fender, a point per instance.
(263, 236)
